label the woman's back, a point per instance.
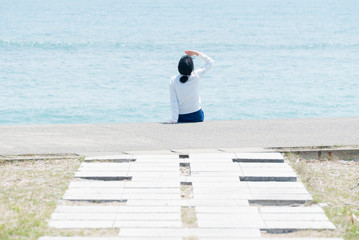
(188, 96)
(185, 89)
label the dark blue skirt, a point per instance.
(191, 117)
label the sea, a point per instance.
(110, 61)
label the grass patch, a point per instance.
(29, 191)
(334, 185)
(185, 171)
(188, 216)
(186, 192)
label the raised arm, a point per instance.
(208, 62)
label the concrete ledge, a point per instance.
(92, 139)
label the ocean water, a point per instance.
(110, 61)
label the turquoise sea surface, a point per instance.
(110, 61)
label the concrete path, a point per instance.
(91, 139)
(227, 196)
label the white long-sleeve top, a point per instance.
(185, 97)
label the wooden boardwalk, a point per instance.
(231, 195)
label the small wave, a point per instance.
(265, 47)
(271, 46)
(310, 46)
(43, 44)
(319, 46)
(64, 45)
(68, 46)
(58, 45)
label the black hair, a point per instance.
(185, 67)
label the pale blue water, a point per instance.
(106, 61)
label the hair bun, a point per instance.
(184, 79)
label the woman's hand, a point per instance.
(192, 52)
